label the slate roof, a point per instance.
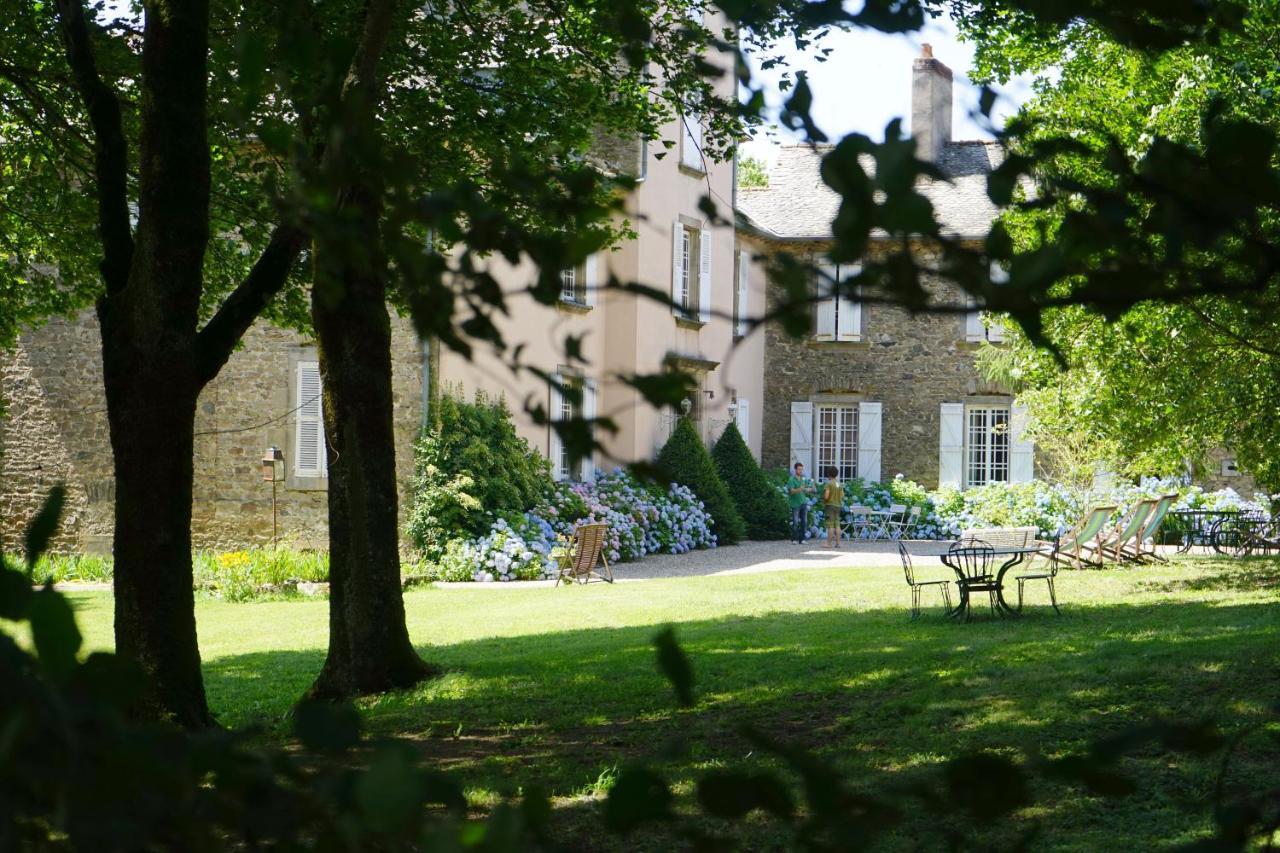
(797, 205)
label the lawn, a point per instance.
(559, 686)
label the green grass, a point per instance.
(559, 686)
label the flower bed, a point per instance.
(1049, 507)
(643, 518)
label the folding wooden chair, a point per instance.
(583, 552)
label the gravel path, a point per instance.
(755, 557)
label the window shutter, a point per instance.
(310, 454)
(995, 332)
(589, 412)
(825, 330)
(951, 445)
(869, 441)
(691, 140)
(973, 329)
(742, 418)
(1022, 458)
(677, 236)
(849, 311)
(704, 273)
(555, 445)
(591, 268)
(802, 434)
(744, 287)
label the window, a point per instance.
(309, 452)
(839, 317)
(576, 401)
(986, 445)
(975, 329)
(690, 270)
(573, 285)
(691, 141)
(837, 436)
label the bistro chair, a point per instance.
(583, 553)
(972, 559)
(902, 526)
(916, 585)
(1048, 574)
(861, 522)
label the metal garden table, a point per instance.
(1200, 525)
(1012, 555)
(873, 524)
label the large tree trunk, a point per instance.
(369, 647)
(151, 405)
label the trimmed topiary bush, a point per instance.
(684, 459)
(762, 508)
(472, 467)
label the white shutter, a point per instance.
(869, 433)
(677, 267)
(825, 330)
(591, 268)
(848, 311)
(951, 445)
(691, 141)
(973, 330)
(1022, 459)
(555, 444)
(589, 412)
(999, 275)
(802, 434)
(310, 458)
(744, 287)
(742, 418)
(704, 273)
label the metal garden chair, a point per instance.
(972, 560)
(1048, 575)
(583, 553)
(916, 585)
(901, 527)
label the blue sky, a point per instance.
(866, 82)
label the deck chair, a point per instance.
(583, 552)
(1152, 528)
(1119, 543)
(1069, 547)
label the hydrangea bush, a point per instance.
(642, 518)
(1051, 508)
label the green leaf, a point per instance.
(326, 726)
(987, 786)
(15, 592)
(639, 796)
(674, 664)
(734, 793)
(54, 631)
(44, 525)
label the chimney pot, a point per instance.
(930, 104)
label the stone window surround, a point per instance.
(298, 353)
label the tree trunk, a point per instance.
(369, 647)
(151, 407)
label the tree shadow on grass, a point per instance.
(1250, 574)
(871, 691)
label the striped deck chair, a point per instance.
(583, 553)
(1152, 527)
(1117, 543)
(1070, 548)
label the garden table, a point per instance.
(1198, 526)
(869, 525)
(1012, 555)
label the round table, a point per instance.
(1012, 555)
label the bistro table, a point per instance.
(1199, 526)
(1012, 555)
(873, 525)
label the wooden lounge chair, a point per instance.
(1069, 548)
(1152, 528)
(583, 552)
(1119, 543)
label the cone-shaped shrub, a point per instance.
(685, 460)
(761, 506)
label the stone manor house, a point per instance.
(871, 391)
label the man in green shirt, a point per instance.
(799, 490)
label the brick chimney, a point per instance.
(930, 104)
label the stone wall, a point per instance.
(55, 430)
(911, 365)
